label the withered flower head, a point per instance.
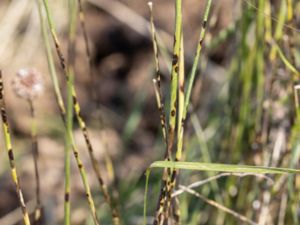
(28, 83)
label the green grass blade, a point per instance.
(286, 61)
(217, 167)
(196, 59)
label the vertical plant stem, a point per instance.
(68, 148)
(157, 79)
(161, 216)
(174, 74)
(180, 131)
(69, 111)
(77, 112)
(183, 101)
(10, 153)
(103, 187)
(196, 59)
(35, 153)
(50, 61)
(160, 105)
(87, 48)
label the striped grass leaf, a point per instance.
(218, 167)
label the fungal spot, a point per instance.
(76, 154)
(175, 59)
(79, 114)
(176, 69)
(174, 174)
(200, 42)
(80, 166)
(157, 73)
(181, 88)
(10, 154)
(173, 113)
(204, 24)
(3, 113)
(74, 100)
(182, 122)
(101, 181)
(67, 197)
(176, 217)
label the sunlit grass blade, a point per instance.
(217, 167)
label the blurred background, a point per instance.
(243, 107)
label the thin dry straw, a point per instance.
(77, 112)
(157, 79)
(160, 105)
(9, 149)
(217, 205)
(107, 197)
(35, 152)
(218, 176)
(86, 41)
(51, 65)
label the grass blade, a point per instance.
(217, 167)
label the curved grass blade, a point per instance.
(286, 61)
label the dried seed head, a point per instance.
(28, 84)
